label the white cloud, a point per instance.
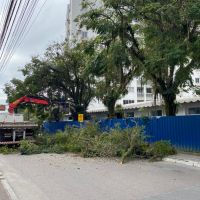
(49, 27)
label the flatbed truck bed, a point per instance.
(12, 133)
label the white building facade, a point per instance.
(139, 95)
(74, 9)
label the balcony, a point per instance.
(149, 97)
(140, 96)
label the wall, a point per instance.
(139, 112)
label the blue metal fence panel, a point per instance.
(53, 127)
(182, 131)
(108, 124)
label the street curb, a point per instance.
(8, 188)
(183, 162)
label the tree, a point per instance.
(162, 38)
(58, 75)
(69, 73)
(171, 45)
(113, 72)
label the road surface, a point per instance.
(3, 193)
(61, 177)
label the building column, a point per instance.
(135, 90)
(145, 93)
(24, 134)
(14, 135)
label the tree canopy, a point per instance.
(157, 40)
(58, 76)
(162, 38)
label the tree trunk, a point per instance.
(111, 111)
(111, 108)
(170, 105)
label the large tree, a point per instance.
(59, 75)
(68, 66)
(161, 36)
(113, 72)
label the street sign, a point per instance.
(80, 117)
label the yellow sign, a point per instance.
(80, 117)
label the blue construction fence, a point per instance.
(182, 131)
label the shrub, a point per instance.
(61, 142)
(27, 148)
(61, 138)
(57, 148)
(5, 150)
(161, 149)
(111, 144)
(137, 146)
(87, 139)
(45, 140)
(91, 142)
(73, 144)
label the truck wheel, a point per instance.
(1, 137)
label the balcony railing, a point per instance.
(149, 96)
(140, 96)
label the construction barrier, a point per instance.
(182, 131)
(53, 127)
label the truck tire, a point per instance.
(1, 137)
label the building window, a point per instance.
(149, 90)
(84, 34)
(125, 102)
(194, 111)
(140, 90)
(197, 80)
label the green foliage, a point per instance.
(59, 75)
(28, 148)
(85, 140)
(45, 139)
(137, 146)
(161, 39)
(161, 149)
(113, 70)
(91, 142)
(6, 150)
(111, 144)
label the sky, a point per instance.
(48, 28)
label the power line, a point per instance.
(16, 34)
(16, 16)
(24, 35)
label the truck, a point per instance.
(13, 128)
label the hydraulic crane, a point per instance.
(26, 99)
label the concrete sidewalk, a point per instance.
(185, 159)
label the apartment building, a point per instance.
(139, 95)
(73, 32)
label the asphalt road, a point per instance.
(61, 177)
(3, 193)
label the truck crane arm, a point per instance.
(26, 99)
